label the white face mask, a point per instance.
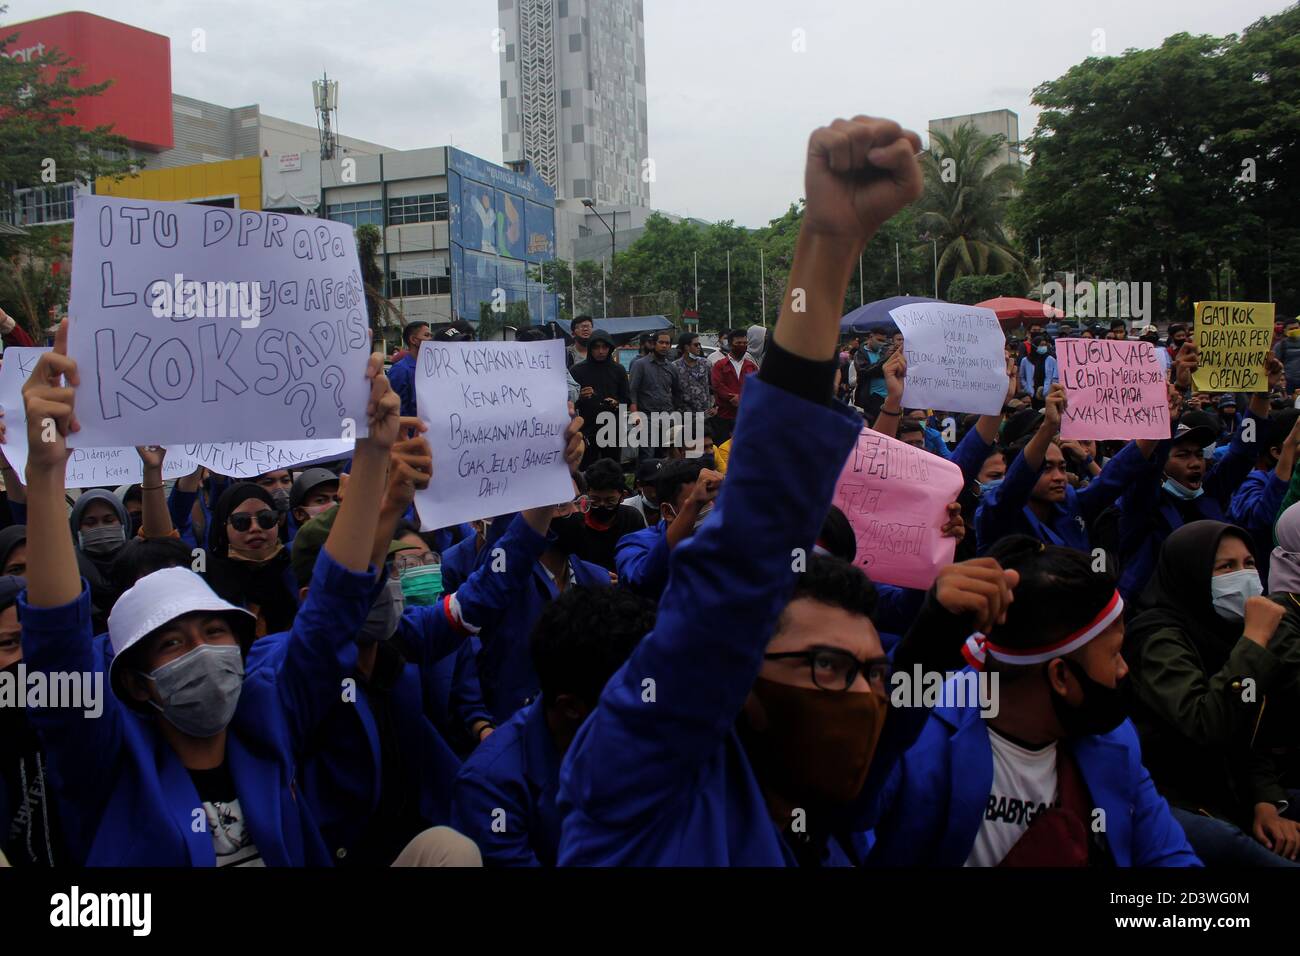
(1229, 593)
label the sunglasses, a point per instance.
(243, 521)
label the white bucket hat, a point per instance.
(161, 597)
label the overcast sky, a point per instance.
(731, 102)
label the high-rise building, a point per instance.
(1002, 123)
(573, 96)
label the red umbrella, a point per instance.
(1008, 308)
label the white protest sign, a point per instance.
(248, 459)
(87, 467)
(496, 413)
(196, 324)
(955, 357)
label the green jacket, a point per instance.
(1201, 732)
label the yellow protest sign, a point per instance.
(1233, 339)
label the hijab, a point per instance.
(1178, 595)
(1284, 568)
(10, 538)
(261, 586)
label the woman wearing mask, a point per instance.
(189, 763)
(248, 565)
(1202, 665)
(1038, 371)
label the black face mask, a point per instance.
(604, 514)
(567, 534)
(1103, 708)
(136, 521)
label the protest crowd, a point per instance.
(684, 661)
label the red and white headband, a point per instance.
(978, 646)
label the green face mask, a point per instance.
(422, 585)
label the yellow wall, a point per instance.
(233, 177)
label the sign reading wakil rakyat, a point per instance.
(496, 429)
(1234, 340)
(955, 357)
(197, 324)
(1114, 389)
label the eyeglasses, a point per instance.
(243, 521)
(836, 670)
(409, 562)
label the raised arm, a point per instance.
(157, 521)
(892, 408)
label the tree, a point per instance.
(964, 204)
(34, 277)
(1162, 165)
(968, 290)
(379, 308)
(37, 96)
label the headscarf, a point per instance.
(1178, 595)
(1284, 568)
(232, 498)
(89, 498)
(264, 585)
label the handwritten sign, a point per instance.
(191, 323)
(1114, 389)
(1233, 339)
(496, 413)
(955, 357)
(896, 498)
(248, 459)
(87, 467)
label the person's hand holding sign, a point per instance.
(1054, 408)
(49, 397)
(575, 446)
(1186, 362)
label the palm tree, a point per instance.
(964, 204)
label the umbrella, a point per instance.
(1008, 308)
(875, 315)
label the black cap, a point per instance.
(458, 331)
(647, 470)
(309, 479)
(1200, 427)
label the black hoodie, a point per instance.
(607, 379)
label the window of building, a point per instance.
(566, 100)
(576, 133)
(366, 213)
(35, 207)
(409, 282)
(404, 210)
(575, 42)
(564, 9)
(510, 53)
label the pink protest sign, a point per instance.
(1114, 389)
(896, 498)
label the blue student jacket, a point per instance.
(1148, 514)
(1254, 507)
(516, 770)
(932, 806)
(342, 769)
(1005, 510)
(641, 560)
(505, 664)
(401, 376)
(657, 774)
(126, 798)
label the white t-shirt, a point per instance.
(1024, 785)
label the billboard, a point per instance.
(502, 223)
(138, 104)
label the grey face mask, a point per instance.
(200, 689)
(103, 539)
(280, 499)
(385, 614)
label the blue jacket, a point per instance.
(970, 454)
(1027, 375)
(933, 804)
(1254, 507)
(657, 774)
(1149, 514)
(505, 665)
(516, 770)
(401, 376)
(126, 798)
(342, 764)
(1005, 510)
(641, 560)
